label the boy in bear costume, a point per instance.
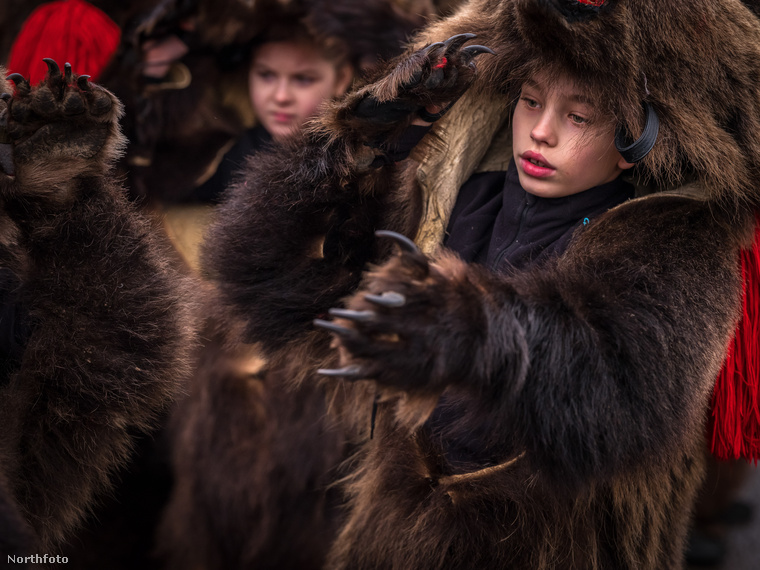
(550, 415)
(94, 333)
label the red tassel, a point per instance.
(735, 429)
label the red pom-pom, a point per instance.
(70, 31)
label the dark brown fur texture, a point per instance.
(553, 418)
(583, 457)
(105, 337)
(233, 504)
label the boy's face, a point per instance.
(560, 145)
(287, 83)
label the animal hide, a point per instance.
(100, 333)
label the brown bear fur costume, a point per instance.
(95, 332)
(581, 386)
(253, 459)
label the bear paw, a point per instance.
(416, 325)
(436, 75)
(62, 128)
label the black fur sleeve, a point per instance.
(626, 337)
(295, 236)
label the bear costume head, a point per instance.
(695, 62)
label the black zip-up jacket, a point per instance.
(498, 224)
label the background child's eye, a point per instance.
(531, 103)
(304, 80)
(265, 74)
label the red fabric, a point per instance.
(70, 31)
(593, 2)
(735, 426)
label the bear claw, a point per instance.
(349, 372)
(403, 242)
(53, 68)
(389, 299)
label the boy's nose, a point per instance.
(543, 130)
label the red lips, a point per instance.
(534, 164)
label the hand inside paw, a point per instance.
(432, 78)
(416, 324)
(63, 123)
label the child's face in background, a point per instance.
(560, 145)
(288, 81)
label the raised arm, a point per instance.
(298, 231)
(100, 331)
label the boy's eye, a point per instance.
(577, 119)
(530, 103)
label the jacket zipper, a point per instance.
(529, 202)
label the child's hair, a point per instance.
(332, 48)
(603, 110)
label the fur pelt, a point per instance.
(370, 31)
(256, 452)
(548, 419)
(254, 424)
(233, 505)
(105, 335)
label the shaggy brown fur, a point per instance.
(553, 418)
(104, 335)
(233, 505)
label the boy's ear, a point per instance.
(625, 165)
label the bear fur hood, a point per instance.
(694, 61)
